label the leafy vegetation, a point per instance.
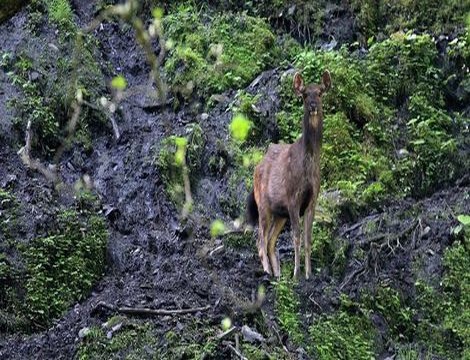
(171, 154)
(211, 55)
(46, 101)
(130, 341)
(390, 16)
(287, 306)
(345, 334)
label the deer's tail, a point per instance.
(251, 209)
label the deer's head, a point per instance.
(312, 94)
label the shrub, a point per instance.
(391, 15)
(402, 65)
(213, 54)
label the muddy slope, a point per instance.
(154, 261)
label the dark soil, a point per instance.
(153, 260)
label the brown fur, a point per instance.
(287, 182)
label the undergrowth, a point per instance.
(287, 306)
(58, 268)
(212, 54)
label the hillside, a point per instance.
(130, 132)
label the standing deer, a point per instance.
(287, 183)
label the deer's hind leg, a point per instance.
(265, 225)
(278, 224)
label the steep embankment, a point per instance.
(391, 265)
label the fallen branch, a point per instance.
(147, 311)
(49, 172)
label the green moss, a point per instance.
(253, 352)
(327, 251)
(287, 306)
(443, 309)
(60, 13)
(211, 55)
(62, 267)
(197, 342)
(345, 334)
(238, 241)
(132, 341)
(47, 100)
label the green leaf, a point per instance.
(119, 82)
(464, 219)
(217, 228)
(157, 13)
(239, 127)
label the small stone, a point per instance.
(204, 116)
(83, 332)
(251, 335)
(403, 153)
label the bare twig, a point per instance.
(49, 172)
(355, 226)
(235, 351)
(71, 126)
(315, 302)
(272, 326)
(147, 311)
(217, 249)
(226, 333)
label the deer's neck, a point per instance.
(312, 133)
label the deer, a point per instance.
(286, 183)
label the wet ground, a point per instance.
(153, 260)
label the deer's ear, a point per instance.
(299, 86)
(326, 81)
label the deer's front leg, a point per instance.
(308, 223)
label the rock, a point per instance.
(9, 8)
(402, 153)
(83, 332)
(251, 335)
